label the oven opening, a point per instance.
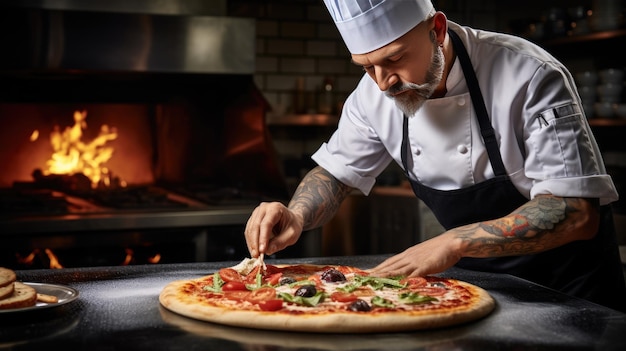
(129, 173)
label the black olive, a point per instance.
(359, 306)
(306, 291)
(333, 275)
(286, 280)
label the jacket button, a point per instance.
(461, 149)
(461, 102)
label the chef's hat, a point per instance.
(367, 25)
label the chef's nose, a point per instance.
(385, 78)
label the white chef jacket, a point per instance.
(545, 141)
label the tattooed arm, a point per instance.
(272, 226)
(318, 198)
(541, 224)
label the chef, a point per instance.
(490, 133)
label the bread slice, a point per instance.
(7, 277)
(7, 291)
(23, 296)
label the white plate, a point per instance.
(65, 294)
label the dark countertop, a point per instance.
(118, 308)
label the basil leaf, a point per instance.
(381, 302)
(415, 298)
(303, 301)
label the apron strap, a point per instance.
(486, 130)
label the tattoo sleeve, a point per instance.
(541, 224)
(318, 197)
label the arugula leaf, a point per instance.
(381, 302)
(415, 298)
(257, 284)
(376, 283)
(303, 301)
(217, 283)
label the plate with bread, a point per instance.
(17, 296)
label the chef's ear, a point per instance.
(439, 27)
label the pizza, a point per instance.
(324, 299)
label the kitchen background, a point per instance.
(299, 76)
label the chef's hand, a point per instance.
(271, 228)
(428, 257)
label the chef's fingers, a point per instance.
(260, 226)
(252, 230)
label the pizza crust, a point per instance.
(174, 299)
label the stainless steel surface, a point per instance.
(51, 40)
(118, 308)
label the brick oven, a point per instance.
(131, 133)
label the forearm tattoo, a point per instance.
(538, 225)
(531, 220)
(318, 197)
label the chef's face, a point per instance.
(396, 66)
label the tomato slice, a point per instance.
(339, 296)
(274, 278)
(230, 275)
(251, 277)
(271, 305)
(414, 282)
(263, 294)
(234, 286)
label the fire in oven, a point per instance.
(115, 183)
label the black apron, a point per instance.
(590, 269)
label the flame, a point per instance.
(54, 261)
(154, 259)
(28, 260)
(129, 257)
(71, 155)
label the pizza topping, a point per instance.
(234, 286)
(306, 291)
(333, 275)
(414, 298)
(304, 301)
(359, 306)
(286, 281)
(248, 264)
(382, 302)
(230, 275)
(375, 282)
(339, 296)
